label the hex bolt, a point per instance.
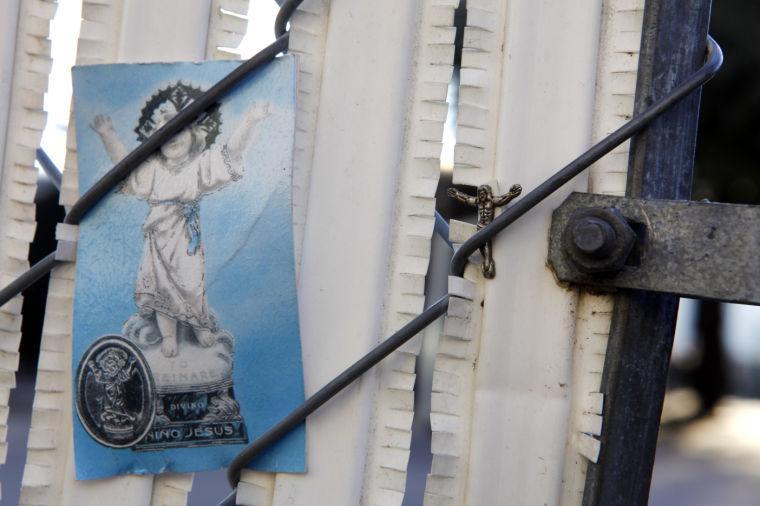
(593, 236)
(598, 240)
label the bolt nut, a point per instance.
(598, 240)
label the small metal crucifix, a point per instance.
(486, 203)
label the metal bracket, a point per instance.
(695, 249)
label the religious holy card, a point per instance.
(186, 344)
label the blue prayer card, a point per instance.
(186, 343)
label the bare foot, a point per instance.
(168, 328)
(489, 270)
(205, 337)
(169, 346)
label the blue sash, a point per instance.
(192, 226)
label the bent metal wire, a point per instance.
(383, 349)
(122, 169)
(712, 63)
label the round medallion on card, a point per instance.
(115, 397)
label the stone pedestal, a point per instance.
(195, 401)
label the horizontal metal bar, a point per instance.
(694, 249)
(639, 122)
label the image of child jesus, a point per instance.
(170, 284)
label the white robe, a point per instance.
(170, 279)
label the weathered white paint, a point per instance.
(390, 439)
(479, 92)
(615, 89)
(112, 31)
(406, 140)
(24, 68)
(308, 33)
(511, 387)
(528, 79)
(358, 150)
(8, 24)
(524, 369)
(452, 390)
(169, 30)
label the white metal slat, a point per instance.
(592, 326)
(389, 442)
(529, 85)
(616, 78)
(308, 32)
(9, 34)
(523, 375)
(287, 478)
(24, 69)
(359, 142)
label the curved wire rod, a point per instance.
(185, 117)
(190, 113)
(327, 392)
(28, 278)
(283, 16)
(713, 62)
(49, 167)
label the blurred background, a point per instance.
(709, 448)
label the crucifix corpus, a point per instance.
(486, 203)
